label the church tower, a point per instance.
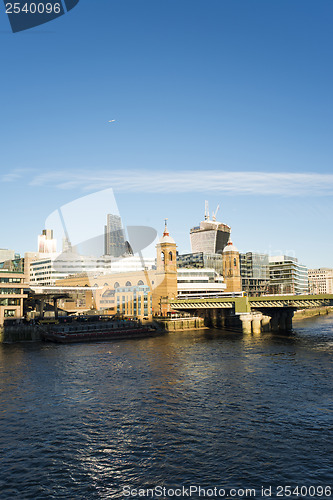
(166, 273)
(231, 268)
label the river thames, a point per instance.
(205, 409)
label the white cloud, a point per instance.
(10, 177)
(252, 183)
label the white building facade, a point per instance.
(197, 283)
(320, 280)
(287, 276)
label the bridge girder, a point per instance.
(253, 303)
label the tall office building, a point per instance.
(211, 236)
(46, 242)
(114, 239)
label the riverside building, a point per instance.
(54, 267)
(12, 294)
(199, 283)
(201, 260)
(135, 292)
(320, 280)
(254, 269)
(287, 276)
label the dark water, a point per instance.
(203, 408)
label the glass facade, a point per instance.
(201, 260)
(114, 243)
(210, 237)
(254, 269)
(287, 276)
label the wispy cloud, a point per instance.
(15, 174)
(251, 183)
(10, 177)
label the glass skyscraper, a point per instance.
(114, 239)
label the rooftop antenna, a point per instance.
(215, 213)
(206, 210)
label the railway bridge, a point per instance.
(251, 314)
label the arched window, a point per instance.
(235, 262)
(162, 256)
(128, 283)
(95, 284)
(106, 284)
(170, 255)
(116, 285)
(140, 283)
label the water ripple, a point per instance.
(206, 408)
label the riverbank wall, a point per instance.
(20, 333)
(181, 324)
(312, 312)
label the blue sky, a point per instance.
(226, 101)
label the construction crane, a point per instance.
(215, 213)
(206, 210)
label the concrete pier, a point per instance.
(246, 320)
(277, 321)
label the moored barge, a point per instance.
(96, 331)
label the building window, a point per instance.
(170, 255)
(9, 302)
(128, 283)
(162, 256)
(10, 291)
(140, 283)
(116, 285)
(9, 313)
(10, 280)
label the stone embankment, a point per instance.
(181, 324)
(20, 333)
(312, 312)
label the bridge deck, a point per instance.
(246, 304)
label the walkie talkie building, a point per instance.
(211, 236)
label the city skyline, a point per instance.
(223, 102)
(93, 246)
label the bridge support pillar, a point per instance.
(256, 323)
(282, 321)
(265, 324)
(289, 320)
(246, 320)
(275, 321)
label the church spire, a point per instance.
(166, 232)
